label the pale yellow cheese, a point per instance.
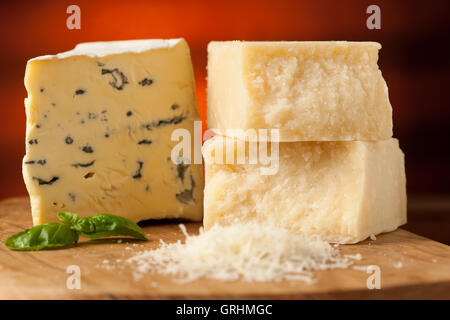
(341, 191)
(99, 125)
(249, 252)
(311, 91)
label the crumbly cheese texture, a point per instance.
(342, 191)
(99, 125)
(250, 252)
(311, 91)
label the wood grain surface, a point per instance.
(424, 271)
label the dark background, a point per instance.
(415, 61)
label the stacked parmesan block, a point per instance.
(341, 174)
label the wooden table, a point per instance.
(424, 271)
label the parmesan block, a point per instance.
(342, 191)
(99, 125)
(311, 91)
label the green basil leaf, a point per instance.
(107, 225)
(68, 218)
(45, 236)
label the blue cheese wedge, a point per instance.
(99, 125)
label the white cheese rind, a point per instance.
(99, 135)
(311, 91)
(103, 48)
(342, 192)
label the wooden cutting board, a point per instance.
(424, 271)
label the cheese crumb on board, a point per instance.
(245, 251)
(357, 256)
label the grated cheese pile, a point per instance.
(245, 251)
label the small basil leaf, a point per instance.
(68, 218)
(45, 236)
(107, 225)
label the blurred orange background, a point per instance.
(414, 60)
